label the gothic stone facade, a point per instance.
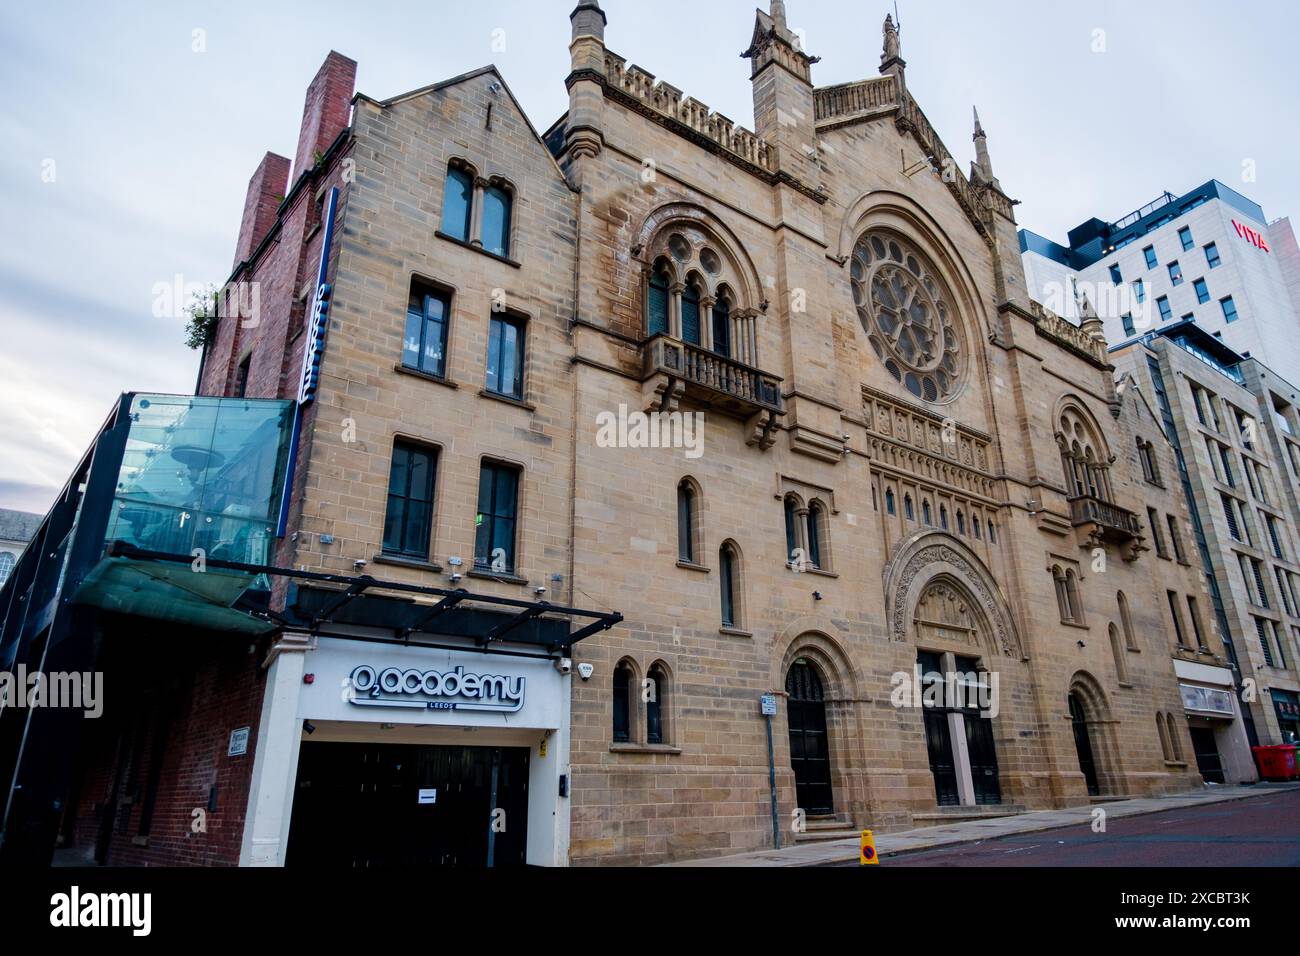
(847, 309)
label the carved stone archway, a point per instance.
(931, 557)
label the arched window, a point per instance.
(993, 537)
(497, 209)
(1126, 621)
(1117, 651)
(1072, 589)
(1164, 737)
(457, 202)
(943, 517)
(961, 522)
(729, 582)
(691, 313)
(1062, 593)
(1175, 742)
(656, 320)
(889, 501)
(687, 521)
(791, 529)
(624, 682)
(927, 515)
(656, 704)
(907, 508)
(722, 325)
(975, 526)
(816, 525)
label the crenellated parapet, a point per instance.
(685, 115)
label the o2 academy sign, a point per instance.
(435, 690)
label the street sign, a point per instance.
(768, 704)
(867, 854)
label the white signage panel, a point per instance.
(383, 683)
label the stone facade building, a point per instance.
(777, 396)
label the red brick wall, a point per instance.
(215, 695)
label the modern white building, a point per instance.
(1208, 256)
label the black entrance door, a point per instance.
(938, 741)
(1083, 744)
(983, 758)
(810, 757)
(1208, 761)
(384, 805)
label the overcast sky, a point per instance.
(129, 151)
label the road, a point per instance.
(1259, 831)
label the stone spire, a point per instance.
(891, 59)
(781, 76)
(982, 168)
(587, 71)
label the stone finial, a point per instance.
(1090, 322)
(778, 12)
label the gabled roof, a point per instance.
(465, 78)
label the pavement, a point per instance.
(840, 852)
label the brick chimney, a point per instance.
(265, 190)
(325, 113)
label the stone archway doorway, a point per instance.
(1083, 744)
(810, 757)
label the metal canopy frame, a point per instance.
(358, 586)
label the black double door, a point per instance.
(943, 766)
(810, 757)
(390, 805)
(983, 756)
(1083, 745)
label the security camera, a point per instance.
(359, 563)
(564, 665)
(586, 670)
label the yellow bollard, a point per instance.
(867, 853)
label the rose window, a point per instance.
(907, 315)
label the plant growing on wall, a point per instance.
(202, 314)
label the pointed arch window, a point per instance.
(816, 518)
(993, 536)
(791, 528)
(497, 211)
(624, 682)
(687, 521)
(656, 705)
(729, 584)
(722, 326)
(691, 313)
(457, 202)
(961, 522)
(1126, 621)
(927, 514)
(943, 517)
(908, 511)
(1117, 652)
(889, 502)
(657, 301)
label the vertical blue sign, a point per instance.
(317, 326)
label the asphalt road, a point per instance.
(1258, 831)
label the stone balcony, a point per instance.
(673, 370)
(1104, 522)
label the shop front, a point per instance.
(413, 756)
(1220, 746)
(1286, 706)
